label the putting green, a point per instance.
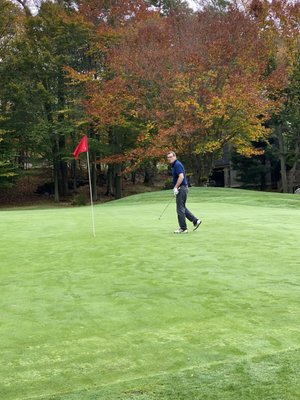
(139, 313)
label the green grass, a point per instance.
(139, 313)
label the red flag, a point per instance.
(82, 147)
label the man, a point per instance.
(180, 190)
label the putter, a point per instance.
(169, 202)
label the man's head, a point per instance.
(171, 156)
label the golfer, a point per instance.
(180, 190)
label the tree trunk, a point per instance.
(22, 159)
(292, 172)
(25, 7)
(263, 175)
(282, 157)
(150, 172)
(133, 177)
(148, 179)
(74, 170)
(109, 188)
(55, 151)
(63, 178)
(56, 181)
(117, 168)
(63, 166)
(93, 167)
(94, 177)
(118, 181)
(201, 166)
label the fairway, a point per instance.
(139, 313)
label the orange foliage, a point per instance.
(109, 101)
(198, 80)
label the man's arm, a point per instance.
(179, 180)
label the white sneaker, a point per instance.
(179, 230)
(197, 224)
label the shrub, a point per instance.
(80, 200)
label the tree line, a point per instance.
(143, 77)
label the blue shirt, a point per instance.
(178, 168)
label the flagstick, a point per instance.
(93, 220)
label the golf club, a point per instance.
(166, 207)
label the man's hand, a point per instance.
(175, 191)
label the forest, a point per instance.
(143, 77)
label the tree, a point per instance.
(107, 102)
(278, 22)
(41, 111)
(199, 79)
(11, 22)
(287, 131)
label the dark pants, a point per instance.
(182, 211)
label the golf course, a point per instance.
(140, 313)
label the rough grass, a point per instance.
(138, 313)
